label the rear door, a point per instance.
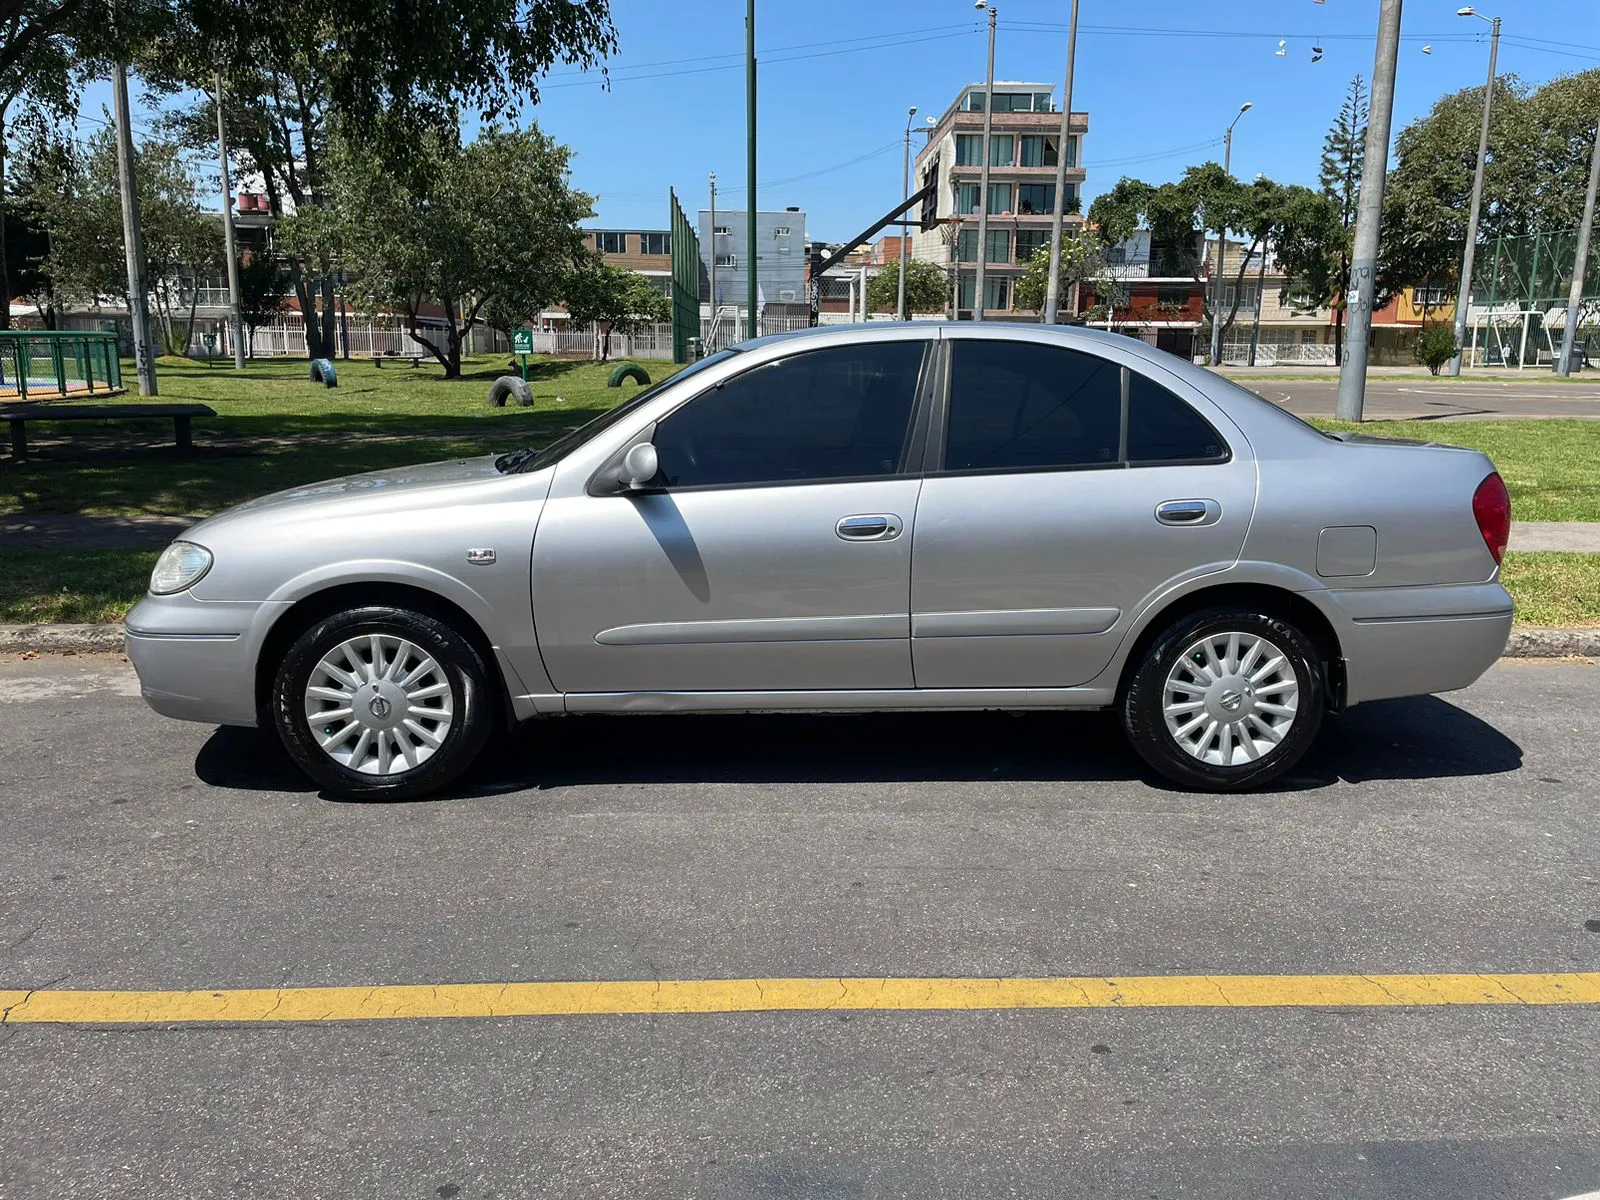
(1066, 489)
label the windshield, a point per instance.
(534, 460)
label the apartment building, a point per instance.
(1024, 151)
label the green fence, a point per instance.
(685, 283)
(43, 365)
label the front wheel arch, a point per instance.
(318, 606)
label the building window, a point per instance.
(966, 198)
(1008, 102)
(1002, 150)
(1029, 242)
(1308, 337)
(999, 247)
(967, 246)
(999, 197)
(719, 231)
(1038, 151)
(1245, 294)
(655, 243)
(1173, 295)
(1117, 256)
(1072, 150)
(726, 260)
(611, 243)
(781, 231)
(1036, 198)
(1429, 297)
(969, 150)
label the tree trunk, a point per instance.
(304, 296)
(325, 334)
(605, 343)
(194, 303)
(5, 258)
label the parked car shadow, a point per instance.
(1424, 738)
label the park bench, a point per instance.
(180, 414)
(414, 359)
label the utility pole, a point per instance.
(235, 325)
(1464, 295)
(978, 296)
(132, 241)
(711, 329)
(1261, 298)
(750, 164)
(1364, 255)
(1580, 269)
(1052, 290)
(905, 190)
(1222, 241)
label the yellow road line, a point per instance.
(793, 995)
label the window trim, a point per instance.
(939, 424)
(911, 446)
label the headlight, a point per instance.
(180, 566)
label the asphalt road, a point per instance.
(1428, 400)
(1435, 835)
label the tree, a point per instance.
(927, 289)
(1436, 345)
(78, 195)
(1080, 257)
(617, 300)
(263, 284)
(487, 227)
(1343, 159)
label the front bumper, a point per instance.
(1418, 641)
(196, 659)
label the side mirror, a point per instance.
(640, 466)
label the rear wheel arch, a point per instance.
(1261, 597)
(318, 606)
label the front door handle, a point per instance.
(1188, 512)
(871, 527)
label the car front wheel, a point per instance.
(383, 702)
(1225, 700)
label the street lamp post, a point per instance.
(978, 297)
(1052, 290)
(1465, 292)
(905, 190)
(1222, 241)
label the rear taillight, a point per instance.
(1491, 508)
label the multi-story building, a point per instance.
(646, 251)
(780, 257)
(1024, 150)
(1150, 290)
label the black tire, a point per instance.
(510, 387)
(1144, 700)
(473, 698)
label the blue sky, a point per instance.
(837, 76)
(1160, 79)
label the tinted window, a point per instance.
(1013, 404)
(827, 414)
(1162, 428)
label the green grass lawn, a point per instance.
(276, 429)
(101, 585)
(1551, 468)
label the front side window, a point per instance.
(839, 413)
(1014, 405)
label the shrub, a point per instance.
(1435, 346)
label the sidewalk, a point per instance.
(70, 532)
(1482, 374)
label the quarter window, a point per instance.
(1162, 428)
(1019, 406)
(838, 413)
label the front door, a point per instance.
(1053, 517)
(774, 553)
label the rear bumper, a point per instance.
(1417, 641)
(196, 659)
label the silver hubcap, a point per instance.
(379, 704)
(1230, 699)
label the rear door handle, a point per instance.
(1188, 512)
(870, 527)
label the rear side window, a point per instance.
(838, 413)
(1162, 428)
(1018, 406)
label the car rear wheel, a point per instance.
(1226, 699)
(383, 702)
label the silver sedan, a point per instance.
(900, 516)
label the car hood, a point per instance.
(375, 491)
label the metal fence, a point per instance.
(40, 365)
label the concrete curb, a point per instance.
(1527, 641)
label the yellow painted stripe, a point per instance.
(793, 995)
